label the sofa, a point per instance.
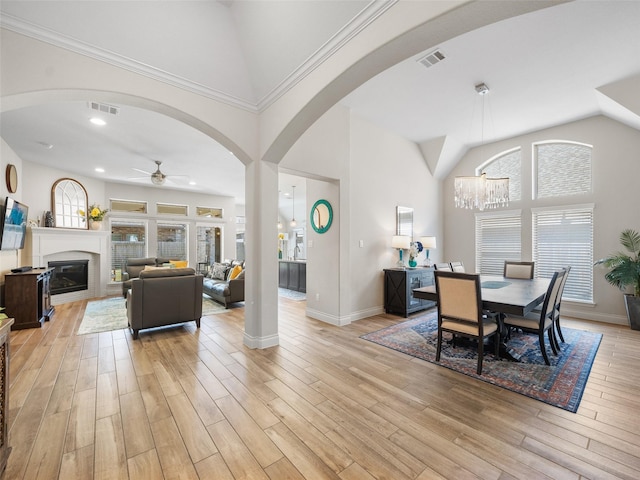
(134, 266)
(164, 297)
(222, 285)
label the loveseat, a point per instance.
(164, 297)
(221, 287)
(134, 266)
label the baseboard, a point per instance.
(566, 311)
(261, 342)
(331, 319)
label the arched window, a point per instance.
(561, 168)
(69, 200)
(505, 164)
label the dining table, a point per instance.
(514, 296)
(504, 296)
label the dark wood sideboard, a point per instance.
(28, 297)
(398, 289)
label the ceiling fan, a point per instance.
(158, 177)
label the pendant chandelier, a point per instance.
(481, 192)
(293, 206)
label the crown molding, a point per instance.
(364, 18)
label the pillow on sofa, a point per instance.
(219, 271)
(234, 272)
(179, 263)
(151, 267)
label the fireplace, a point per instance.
(69, 276)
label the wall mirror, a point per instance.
(321, 216)
(404, 221)
(69, 202)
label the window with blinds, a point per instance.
(564, 236)
(506, 165)
(498, 238)
(128, 240)
(562, 168)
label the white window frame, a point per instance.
(577, 253)
(490, 257)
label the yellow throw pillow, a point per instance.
(235, 272)
(179, 263)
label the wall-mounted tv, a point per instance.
(14, 225)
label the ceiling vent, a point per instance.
(104, 108)
(432, 58)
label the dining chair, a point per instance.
(518, 269)
(460, 311)
(446, 267)
(543, 320)
(457, 267)
(556, 314)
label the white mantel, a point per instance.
(46, 244)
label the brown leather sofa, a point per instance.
(164, 297)
(134, 266)
(224, 290)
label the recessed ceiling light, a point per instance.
(97, 121)
(99, 169)
(46, 145)
(192, 182)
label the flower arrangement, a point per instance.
(414, 250)
(95, 213)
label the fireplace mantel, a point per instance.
(45, 242)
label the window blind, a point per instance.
(498, 238)
(562, 168)
(562, 237)
(506, 165)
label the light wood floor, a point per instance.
(186, 403)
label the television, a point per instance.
(14, 225)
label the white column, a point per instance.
(261, 246)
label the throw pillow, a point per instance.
(235, 271)
(151, 267)
(219, 271)
(179, 263)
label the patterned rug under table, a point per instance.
(561, 384)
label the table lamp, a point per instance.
(400, 242)
(427, 243)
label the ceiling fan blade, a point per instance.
(141, 171)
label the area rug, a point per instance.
(560, 384)
(111, 314)
(292, 294)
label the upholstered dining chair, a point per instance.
(541, 321)
(446, 267)
(556, 313)
(457, 267)
(460, 311)
(518, 269)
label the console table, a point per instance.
(28, 297)
(399, 284)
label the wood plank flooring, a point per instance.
(183, 403)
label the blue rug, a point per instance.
(560, 384)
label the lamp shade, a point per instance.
(401, 241)
(428, 242)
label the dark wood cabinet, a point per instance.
(28, 297)
(5, 449)
(292, 275)
(398, 289)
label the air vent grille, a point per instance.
(432, 58)
(104, 108)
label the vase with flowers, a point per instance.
(96, 215)
(414, 251)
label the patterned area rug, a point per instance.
(560, 384)
(110, 314)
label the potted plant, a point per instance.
(624, 271)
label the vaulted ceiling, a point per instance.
(555, 65)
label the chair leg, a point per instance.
(557, 322)
(543, 349)
(480, 355)
(552, 340)
(439, 347)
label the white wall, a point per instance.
(616, 171)
(11, 258)
(373, 171)
(38, 181)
